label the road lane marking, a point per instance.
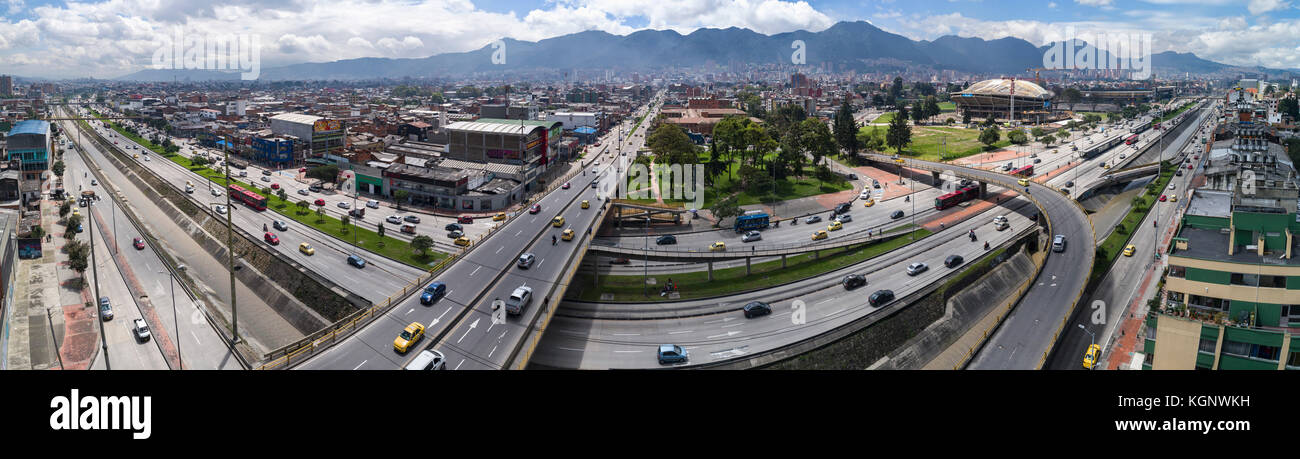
(494, 350)
(462, 362)
(627, 334)
(680, 332)
(627, 352)
(499, 248)
(475, 270)
(569, 349)
(733, 325)
(363, 362)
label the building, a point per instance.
(453, 184)
(6, 85)
(1232, 286)
(322, 138)
(528, 147)
(995, 98)
(29, 144)
(574, 120)
(273, 150)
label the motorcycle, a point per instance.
(552, 240)
(986, 246)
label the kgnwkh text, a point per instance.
(102, 413)
(1148, 403)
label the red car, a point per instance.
(271, 238)
(138, 243)
(302, 169)
(566, 185)
(465, 219)
(1189, 167)
(1163, 198)
(320, 202)
(275, 186)
(535, 209)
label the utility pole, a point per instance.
(230, 246)
(94, 273)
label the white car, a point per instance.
(302, 192)
(220, 209)
(1171, 186)
(344, 205)
(215, 192)
(394, 219)
(141, 330)
(866, 194)
(373, 204)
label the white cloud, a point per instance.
(1258, 7)
(1094, 2)
(1051, 4)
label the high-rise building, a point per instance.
(6, 85)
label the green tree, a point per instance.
(991, 121)
(399, 197)
(965, 117)
(36, 232)
(281, 194)
(328, 173)
(1017, 136)
(381, 230)
(918, 114)
(343, 223)
(990, 136)
(65, 208)
(896, 90)
(724, 209)
(932, 106)
(1071, 96)
(1037, 132)
(422, 244)
(57, 168)
(302, 205)
(899, 134)
(670, 145)
(846, 131)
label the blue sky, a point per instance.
(109, 38)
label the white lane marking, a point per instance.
(836, 312)
(196, 337)
(724, 319)
(626, 352)
(494, 350)
(539, 264)
(823, 301)
(499, 248)
(517, 233)
(737, 324)
(680, 332)
(475, 270)
(730, 333)
(627, 334)
(462, 362)
(568, 349)
(410, 310)
(363, 362)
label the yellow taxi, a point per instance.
(821, 234)
(567, 234)
(75, 212)
(306, 248)
(557, 222)
(499, 216)
(1090, 357)
(1105, 166)
(718, 247)
(835, 226)
(869, 202)
(188, 183)
(1173, 198)
(135, 156)
(585, 204)
(410, 335)
(462, 241)
(1129, 250)
(1023, 182)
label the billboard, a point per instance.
(29, 248)
(326, 125)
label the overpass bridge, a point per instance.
(1115, 177)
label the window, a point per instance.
(1211, 303)
(1251, 280)
(1235, 348)
(1177, 271)
(1293, 360)
(1208, 345)
(1263, 352)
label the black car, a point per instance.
(853, 281)
(1069, 184)
(843, 208)
(953, 261)
(853, 176)
(666, 239)
(896, 215)
(881, 297)
(453, 227)
(757, 308)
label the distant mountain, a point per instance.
(845, 45)
(168, 75)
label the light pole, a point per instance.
(171, 280)
(1094, 342)
(645, 286)
(54, 337)
(94, 273)
(230, 245)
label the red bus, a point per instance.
(956, 197)
(1027, 171)
(1131, 140)
(250, 198)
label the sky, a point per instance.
(111, 38)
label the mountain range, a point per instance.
(845, 46)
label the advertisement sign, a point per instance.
(29, 248)
(535, 143)
(326, 125)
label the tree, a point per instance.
(302, 204)
(1071, 96)
(343, 223)
(846, 131)
(899, 134)
(992, 120)
(422, 244)
(990, 136)
(57, 168)
(65, 208)
(1017, 136)
(816, 139)
(896, 90)
(36, 232)
(670, 145)
(965, 117)
(399, 197)
(281, 194)
(1037, 132)
(725, 208)
(77, 256)
(918, 114)
(199, 161)
(932, 106)
(381, 230)
(327, 173)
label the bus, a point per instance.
(754, 221)
(250, 198)
(1131, 140)
(1027, 171)
(956, 197)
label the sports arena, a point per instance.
(1032, 102)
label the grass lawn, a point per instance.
(365, 238)
(961, 142)
(884, 119)
(945, 107)
(731, 280)
(790, 188)
(1175, 112)
(1114, 244)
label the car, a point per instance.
(356, 261)
(880, 297)
(1189, 167)
(302, 192)
(1036, 160)
(843, 208)
(412, 219)
(672, 353)
(315, 187)
(813, 219)
(280, 225)
(94, 182)
(853, 281)
(756, 308)
(271, 238)
(1105, 166)
(220, 209)
(433, 292)
(320, 202)
(1034, 155)
(138, 243)
(953, 261)
(917, 268)
(1006, 167)
(502, 216)
(1163, 198)
(1173, 198)
(843, 218)
(462, 241)
(558, 221)
(835, 226)
(869, 203)
(666, 239)
(306, 249)
(1058, 243)
(519, 300)
(466, 219)
(535, 209)
(620, 261)
(455, 234)
(820, 234)
(594, 184)
(896, 215)
(344, 205)
(189, 189)
(585, 204)
(567, 234)
(1172, 186)
(409, 335)
(215, 191)
(275, 186)
(1091, 356)
(526, 260)
(751, 236)
(1069, 184)
(394, 219)
(718, 247)
(565, 186)
(373, 204)
(453, 227)
(875, 183)
(105, 309)
(265, 179)
(1179, 173)
(428, 360)
(141, 329)
(865, 194)
(1023, 182)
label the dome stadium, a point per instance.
(993, 97)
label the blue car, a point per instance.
(356, 261)
(671, 353)
(433, 292)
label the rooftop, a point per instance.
(1212, 244)
(1207, 203)
(297, 118)
(36, 127)
(510, 128)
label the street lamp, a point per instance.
(1094, 342)
(230, 245)
(171, 280)
(645, 286)
(94, 273)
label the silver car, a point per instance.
(751, 236)
(141, 330)
(916, 268)
(526, 260)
